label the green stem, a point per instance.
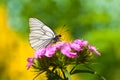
(51, 75)
(73, 69)
(63, 74)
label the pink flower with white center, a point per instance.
(66, 50)
(94, 50)
(39, 53)
(75, 46)
(50, 51)
(30, 62)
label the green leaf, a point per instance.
(67, 74)
(88, 71)
(82, 71)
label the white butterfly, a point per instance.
(41, 35)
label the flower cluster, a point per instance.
(77, 50)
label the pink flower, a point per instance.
(71, 54)
(50, 51)
(30, 62)
(78, 41)
(66, 50)
(39, 53)
(84, 43)
(94, 50)
(81, 42)
(59, 45)
(75, 46)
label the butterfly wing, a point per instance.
(40, 35)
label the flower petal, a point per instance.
(94, 50)
(78, 41)
(71, 54)
(30, 62)
(59, 45)
(66, 50)
(75, 46)
(81, 42)
(39, 53)
(50, 51)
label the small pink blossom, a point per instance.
(78, 41)
(39, 53)
(84, 43)
(94, 50)
(81, 42)
(30, 62)
(75, 46)
(50, 51)
(66, 50)
(59, 45)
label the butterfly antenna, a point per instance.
(62, 29)
(65, 31)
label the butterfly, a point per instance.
(41, 35)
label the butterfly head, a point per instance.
(59, 35)
(57, 38)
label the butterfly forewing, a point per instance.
(40, 35)
(37, 24)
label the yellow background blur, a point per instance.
(13, 52)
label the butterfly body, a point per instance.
(41, 35)
(56, 38)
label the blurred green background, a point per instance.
(94, 20)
